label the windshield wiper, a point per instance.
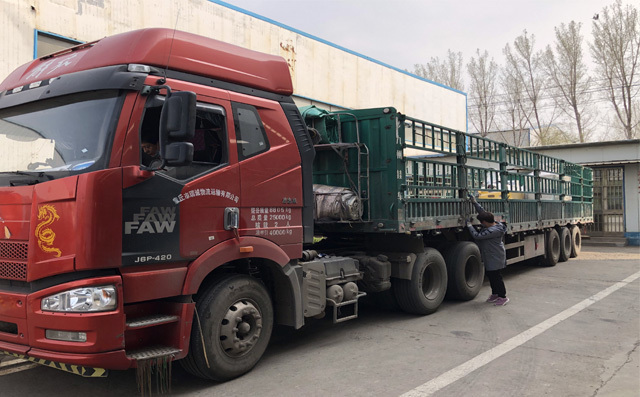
(34, 178)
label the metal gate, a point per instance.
(608, 202)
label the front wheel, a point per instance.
(424, 293)
(236, 319)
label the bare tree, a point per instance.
(567, 72)
(527, 69)
(514, 120)
(447, 71)
(483, 73)
(615, 49)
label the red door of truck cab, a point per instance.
(270, 173)
(178, 213)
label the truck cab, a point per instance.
(132, 175)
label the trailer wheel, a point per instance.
(465, 270)
(576, 241)
(427, 287)
(551, 248)
(236, 319)
(565, 244)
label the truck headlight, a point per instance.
(86, 299)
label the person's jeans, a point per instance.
(497, 285)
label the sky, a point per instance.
(402, 33)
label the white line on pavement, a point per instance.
(482, 359)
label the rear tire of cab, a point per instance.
(424, 293)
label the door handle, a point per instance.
(231, 218)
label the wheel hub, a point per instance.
(240, 328)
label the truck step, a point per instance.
(152, 352)
(150, 321)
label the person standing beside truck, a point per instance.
(494, 256)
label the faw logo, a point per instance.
(152, 220)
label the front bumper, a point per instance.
(87, 372)
(24, 325)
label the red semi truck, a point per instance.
(114, 257)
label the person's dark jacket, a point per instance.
(490, 242)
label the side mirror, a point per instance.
(178, 116)
(177, 123)
(178, 153)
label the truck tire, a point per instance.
(576, 241)
(424, 293)
(565, 244)
(465, 270)
(236, 319)
(551, 248)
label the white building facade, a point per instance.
(323, 73)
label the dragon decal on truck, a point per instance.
(47, 214)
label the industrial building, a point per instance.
(616, 196)
(323, 73)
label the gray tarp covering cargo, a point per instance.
(336, 203)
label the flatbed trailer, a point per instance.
(413, 176)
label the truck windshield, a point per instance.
(65, 135)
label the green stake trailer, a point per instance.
(410, 180)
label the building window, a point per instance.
(608, 202)
(47, 43)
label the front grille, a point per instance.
(13, 271)
(13, 250)
(13, 260)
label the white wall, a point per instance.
(29, 155)
(319, 70)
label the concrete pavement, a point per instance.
(588, 348)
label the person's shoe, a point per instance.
(492, 298)
(501, 301)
